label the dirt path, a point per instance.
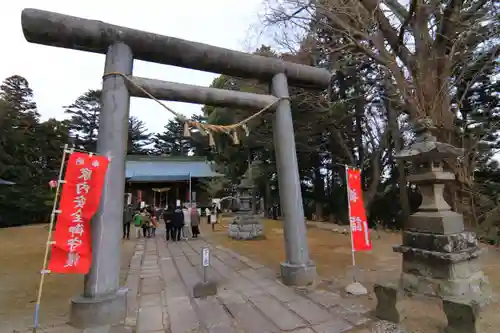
(332, 255)
(21, 255)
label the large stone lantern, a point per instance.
(245, 225)
(440, 258)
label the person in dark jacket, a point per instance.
(275, 212)
(167, 217)
(177, 222)
(195, 222)
(128, 215)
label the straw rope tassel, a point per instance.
(236, 140)
(245, 128)
(202, 130)
(211, 141)
(187, 133)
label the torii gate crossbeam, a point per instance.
(102, 302)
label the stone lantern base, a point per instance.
(245, 226)
(443, 266)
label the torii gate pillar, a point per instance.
(103, 302)
(298, 269)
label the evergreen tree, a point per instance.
(138, 137)
(172, 141)
(18, 129)
(84, 121)
(84, 125)
(17, 94)
(30, 155)
(199, 143)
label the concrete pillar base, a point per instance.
(298, 275)
(101, 311)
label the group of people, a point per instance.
(181, 222)
(144, 221)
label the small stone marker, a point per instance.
(205, 288)
(462, 315)
(388, 303)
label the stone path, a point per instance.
(249, 298)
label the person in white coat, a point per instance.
(207, 214)
(186, 231)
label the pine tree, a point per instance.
(18, 129)
(84, 125)
(138, 137)
(15, 91)
(84, 121)
(30, 155)
(172, 141)
(200, 143)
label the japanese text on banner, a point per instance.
(71, 251)
(360, 233)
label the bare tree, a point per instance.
(427, 47)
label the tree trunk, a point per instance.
(396, 138)
(359, 113)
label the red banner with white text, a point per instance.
(71, 252)
(360, 233)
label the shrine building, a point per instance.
(161, 180)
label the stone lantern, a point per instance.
(245, 193)
(246, 225)
(440, 258)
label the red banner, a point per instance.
(71, 251)
(360, 233)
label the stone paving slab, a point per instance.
(250, 318)
(249, 298)
(285, 319)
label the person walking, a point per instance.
(195, 223)
(145, 223)
(177, 222)
(149, 225)
(167, 216)
(207, 214)
(275, 212)
(128, 216)
(186, 230)
(213, 217)
(137, 224)
(154, 225)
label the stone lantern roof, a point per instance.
(426, 147)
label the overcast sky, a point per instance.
(58, 76)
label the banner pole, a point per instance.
(49, 238)
(353, 252)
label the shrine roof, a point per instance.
(167, 168)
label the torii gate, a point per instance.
(103, 302)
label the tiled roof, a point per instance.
(166, 168)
